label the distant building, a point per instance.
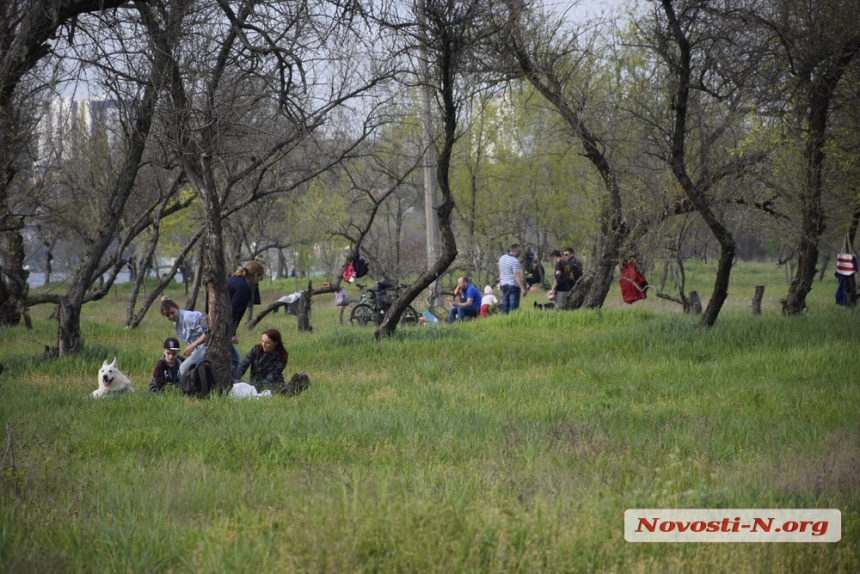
(67, 121)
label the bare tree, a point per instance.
(815, 46)
(29, 34)
(109, 214)
(556, 63)
(249, 93)
(450, 35)
(710, 58)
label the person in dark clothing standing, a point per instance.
(563, 279)
(243, 291)
(267, 361)
(575, 264)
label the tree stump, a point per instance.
(756, 303)
(694, 303)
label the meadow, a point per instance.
(511, 444)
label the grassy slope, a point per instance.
(512, 444)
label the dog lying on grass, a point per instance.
(111, 380)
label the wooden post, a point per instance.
(756, 305)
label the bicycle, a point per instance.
(346, 310)
(370, 307)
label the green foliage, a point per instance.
(513, 443)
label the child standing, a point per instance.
(167, 368)
(488, 302)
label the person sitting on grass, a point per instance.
(167, 368)
(488, 302)
(470, 303)
(267, 361)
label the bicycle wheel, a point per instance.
(361, 315)
(346, 313)
(409, 316)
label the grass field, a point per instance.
(512, 444)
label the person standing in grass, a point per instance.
(244, 293)
(267, 361)
(532, 270)
(510, 277)
(469, 304)
(562, 281)
(575, 265)
(167, 368)
(191, 327)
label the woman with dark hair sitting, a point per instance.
(267, 361)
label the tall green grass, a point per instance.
(511, 444)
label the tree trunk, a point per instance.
(613, 235)
(69, 323)
(304, 320)
(13, 279)
(811, 210)
(756, 303)
(49, 258)
(220, 336)
(191, 303)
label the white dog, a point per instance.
(246, 391)
(111, 380)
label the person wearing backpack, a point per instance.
(266, 360)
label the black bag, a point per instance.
(385, 300)
(297, 384)
(199, 380)
(360, 267)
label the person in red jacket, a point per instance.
(633, 285)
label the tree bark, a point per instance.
(13, 277)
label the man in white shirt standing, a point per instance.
(511, 280)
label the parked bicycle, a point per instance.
(346, 310)
(374, 303)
